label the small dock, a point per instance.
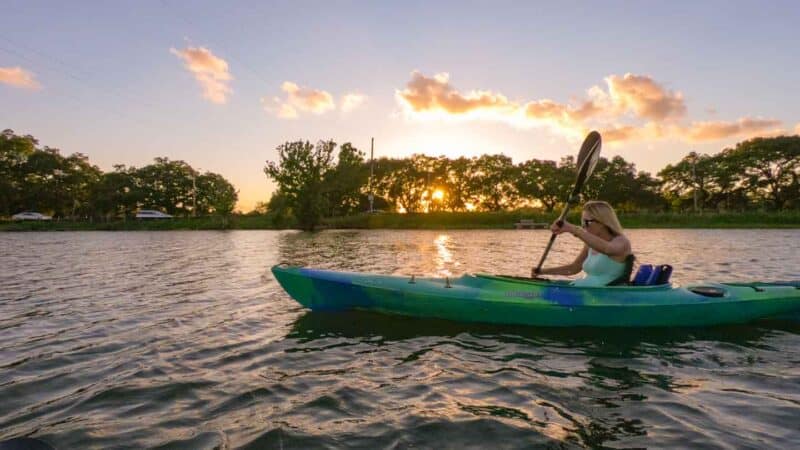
(528, 224)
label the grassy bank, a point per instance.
(200, 223)
(786, 219)
(436, 221)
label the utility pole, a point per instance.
(694, 179)
(194, 192)
(371, 170)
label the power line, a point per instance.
(53, 61)
(42, 54)
(231, 55)
(76, 98)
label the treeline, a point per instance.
(41, 179)
(316, 181)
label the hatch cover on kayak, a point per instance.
(708, 291)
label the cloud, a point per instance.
(300, 99)
(435, 95)
(797, 128)
(18, 77)
(694, 132)
(624, 133)
(352, 101)
(637, 94)
(645, 97)
(745, 127)
(209, 70)
(567, 119)
(653, 112)
(620, 133)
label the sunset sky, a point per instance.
(221, 84)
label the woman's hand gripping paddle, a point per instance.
(587, 160)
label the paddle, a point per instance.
(587, 160)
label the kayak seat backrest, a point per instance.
(665, 273)
(650, 275)
(625, 278)
(642, 275)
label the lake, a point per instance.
(183, 339)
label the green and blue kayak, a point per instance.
(509, 300)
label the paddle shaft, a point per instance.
(560, 223)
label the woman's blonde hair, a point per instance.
(604, 213)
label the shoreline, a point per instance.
(430, 221)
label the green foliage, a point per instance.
(494, 183)
(279, 210)
(344, 183)
(545, 181)
(115, 194)
(43, 180)
(759, 173)
(458, 180)
(14, 152)
(762, 172)
(300, 173)
(215, 195)
(506, 220)
(617, 182)
(323, 180)
(771, 168)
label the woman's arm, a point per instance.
(569, 269)
(619, 246)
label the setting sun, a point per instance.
(438, 195)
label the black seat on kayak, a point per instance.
(625, 278)
(650, 275)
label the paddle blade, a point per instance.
(588, 157)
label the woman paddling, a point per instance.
(606, 256)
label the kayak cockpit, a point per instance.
(542, 282)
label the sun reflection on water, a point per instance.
(444, 257)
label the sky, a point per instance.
(221, 84)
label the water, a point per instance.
(185, 340)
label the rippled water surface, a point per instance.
(185, 340)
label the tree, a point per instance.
(299, 173)
(79, 180)
(458, 182)
(278, 210)
(345, 182)
(401, 181)
(726, 187)
(544, 181)
(688, 178)
(14, 152)
(43, 182)
(166, 185)
(116, 193)
(493, 182)
(215, 195)
(771, 167)
(617, 182)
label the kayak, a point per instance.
(521, 301)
